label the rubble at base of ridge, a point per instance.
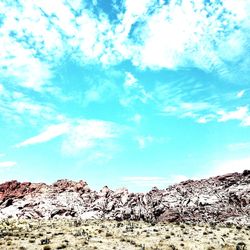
(222, 199)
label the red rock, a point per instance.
(71, 186)
(170, 215)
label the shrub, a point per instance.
(241, 246)
(62, 246)
(108, 234)
(47, 247)
(45, 241)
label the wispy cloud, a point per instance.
(130, 80)
(202, 103)
(7, 164)
(144, 141)
(238, 114)
(137, 118)
(239, 146)
(22, 108)
(88, 134)
(102, 86)
(1, 89)
(78, 136)
(133, 91)
(50, 133)
(241, 113)
(188, 109)
(240, 93)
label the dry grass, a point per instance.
(95, 234)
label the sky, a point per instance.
(125, 93)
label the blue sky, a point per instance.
(125, 93)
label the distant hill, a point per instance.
(222, 199)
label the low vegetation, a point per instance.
(95, 234)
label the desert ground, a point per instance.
(97, 234)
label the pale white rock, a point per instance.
(204, 200)
(222, 199)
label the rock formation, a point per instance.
(221, 199)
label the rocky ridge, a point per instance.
(221, 199)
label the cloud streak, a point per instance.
(50, 133)
(7, 164)
(79, 136)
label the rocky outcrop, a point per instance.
(220, 199)
(15, 189)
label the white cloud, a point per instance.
(187, 33)
(87, 134)
(31, 108)
(136, 9)
(239, 114)
(144, 141)
(206, 118)
(134, 91)
(246, 121)
(36, 35)
(137, 118)
(238, 146)
(93, 137)
(18, 107)
(196, 110)
(195, 106)
(130, 80)
(7, 164)
(240, 9)
(187, 100)
(170, 109)
(92, 95)
(240, 93)
(87, 45)
(202, 120)
(17, 63)
(231, 166)
(1, 89)
(50, 133)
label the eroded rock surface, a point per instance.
(223, 199)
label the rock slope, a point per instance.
(221, 199)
